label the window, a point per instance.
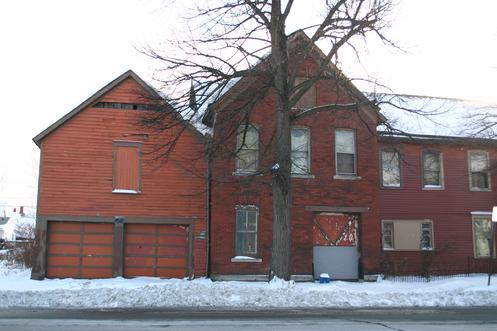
(432, 169)
(246, 230)
(390, 169)
(300, 151)
(126, 170)
(407, 235)
(479, 177)
(247, 148)
(345, 152)
(308, 100)
(482, 234)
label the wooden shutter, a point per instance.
(127, 167)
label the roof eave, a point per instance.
(128, 74)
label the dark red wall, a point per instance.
(230, 190)
(449, 209)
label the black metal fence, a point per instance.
(425, 270)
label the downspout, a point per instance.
(208, 203)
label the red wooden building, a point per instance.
(436, 199)
(107, 206)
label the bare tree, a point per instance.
(246, 42)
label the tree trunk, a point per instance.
(281, 246)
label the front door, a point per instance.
(335, 241)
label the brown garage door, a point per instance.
(79, 250)
(155, 250)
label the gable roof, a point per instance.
(240, 85)
(88, 102)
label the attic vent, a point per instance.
(118, 105)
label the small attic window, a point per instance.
(120, 105)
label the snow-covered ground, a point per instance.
(18, 290)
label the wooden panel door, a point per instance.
(79, 250)
(155, 250)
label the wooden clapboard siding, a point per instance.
(76, 177)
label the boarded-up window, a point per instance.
(409, 235)
(478, 168)
(308, 100)
(127, 170)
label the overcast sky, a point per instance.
(55, 54)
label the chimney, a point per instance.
(21, 210)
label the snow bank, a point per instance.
(17, 290)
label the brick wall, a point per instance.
(230, 190)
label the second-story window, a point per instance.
(247, 149)
(478, 168)
(345, 153)
(432, 169)
(126, 168)
(390, 169)
(300, 151)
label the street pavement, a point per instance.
(436, 319)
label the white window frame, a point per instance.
(474, 218)
(470, 172)
(396, 240)
(247, 209)
(440, 186)
(382, 182)
(241, 129)
(340, 174)
(308, 172)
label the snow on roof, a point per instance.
(13, 214)
(438, 116)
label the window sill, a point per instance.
(121, 191)
(245, 173)
(347, 177)
(247, 259)
(308, 176)
(391, 187)
(433, 188)
(407, 250)
(475, 189)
